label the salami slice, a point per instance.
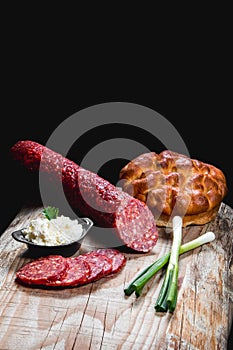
(77, 273)
(43, 270)
(118, 259)
(100, 265)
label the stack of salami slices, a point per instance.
(58, 271)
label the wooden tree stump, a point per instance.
(99, 316)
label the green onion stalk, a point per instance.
(168, 295)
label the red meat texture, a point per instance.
(58, 271)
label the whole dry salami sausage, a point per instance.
(42, 270)
(93, 196)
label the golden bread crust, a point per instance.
(171, 184)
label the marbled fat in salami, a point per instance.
(100, 265)
(118, 259)
(77, 273)
(93, 196)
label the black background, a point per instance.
(44, 83)
(39, 99)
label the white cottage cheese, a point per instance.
(52, 232)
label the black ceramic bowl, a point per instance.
(68, 249)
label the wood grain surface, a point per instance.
(99, 315)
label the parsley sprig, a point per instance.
(50, 212)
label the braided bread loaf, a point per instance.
(173, 184)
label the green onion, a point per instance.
(168, 294)
(139, 282)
